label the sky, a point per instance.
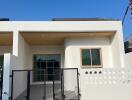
(44, 10)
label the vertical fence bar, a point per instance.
(63, 93)
(53, 81)
(78, 84)
(28, 85)
(61, 84)
(53, 87)
(12, 79)
(1, 81)
(44, 85)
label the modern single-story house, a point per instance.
(92, 50)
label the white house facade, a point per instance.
(93, 51)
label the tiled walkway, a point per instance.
(37, 93)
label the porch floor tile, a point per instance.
(37, 93)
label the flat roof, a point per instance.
(83, 19)
(74, 19)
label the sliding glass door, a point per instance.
(46, 66)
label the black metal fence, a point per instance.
(61, 84)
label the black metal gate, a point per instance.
(23, 86)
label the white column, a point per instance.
(15, 43)
(121, 46)
(69, 75)
(6, 77)
(68, 55)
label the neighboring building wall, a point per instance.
(128, 60)
(128, 46)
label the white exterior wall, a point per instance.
(23, 52)
(72, 26)
(73, 51)
(118, 51)
(30, 51)
(55, 26)
(128, 60)
(26, 53)
(73, 56)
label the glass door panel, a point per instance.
(50, 68)
(47, 65)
